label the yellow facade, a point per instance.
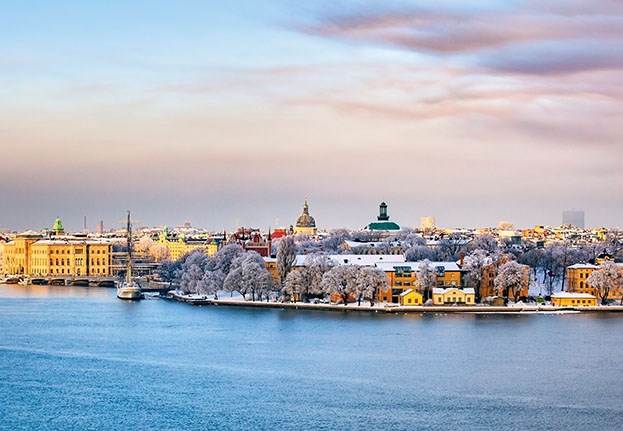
(17, 255)
(566, 299)
(576, 278)
(67, 257)
(180, 247)
(411, 297)
(453, 296)
(402, 277)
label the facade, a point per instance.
(70, 257)
(569, 299)
(453, 296)
(576, 278)
(181, 246)
(411, 297)
(403, 276)
(305, 223)
(576, 281)
(34, 256)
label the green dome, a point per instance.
(383, 225)
(58, 226)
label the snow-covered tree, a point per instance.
(426, 278)
(294, 285)
(340, 280)
(417, 253)
(609, 276)
(144, 244)
(193, 270)
(486, 243)
(475, 264)
(159, 252)
(168, 271)
(369, 282)
(286, 255)
(510, 279)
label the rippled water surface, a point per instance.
(78, 358)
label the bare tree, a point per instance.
(475, 264)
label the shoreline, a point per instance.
(395, 309)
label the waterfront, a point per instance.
(78, 358)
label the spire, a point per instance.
(305, 208)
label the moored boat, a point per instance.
(129, 289)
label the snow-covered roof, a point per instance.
(572, 295)
(355, 259)
(370, 244)
(70, 241)
(415, 266)
(583, 266)
(443, 291)
(406, 292)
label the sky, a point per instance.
(233, 113)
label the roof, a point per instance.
(409, 291)
(443, 291)
(583, 266)
(415, 266)
(356, 259)
(573, 295)
(382, 225)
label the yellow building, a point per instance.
(570, 299)
(32, 255)
(181, 246)
(403, 276)
(70, 256)
(411, 297)
(453, 296)
(305, 223)
(17, 253)
(576, 278)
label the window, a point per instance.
(409, 300)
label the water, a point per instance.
(79, 359)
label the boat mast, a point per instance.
(129, 263)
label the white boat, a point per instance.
(129, 289)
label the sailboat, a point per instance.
(129, 289)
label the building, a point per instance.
(574, 218)
(411, 297)
(182, 245)
(576, 278)
(402, 276)
(305, 223)
(31, 254)
(71, 256)
(453, 296)
(382, 223)
(570, 299)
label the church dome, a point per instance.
(58, 226)
(305, 220)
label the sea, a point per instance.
(77, 358)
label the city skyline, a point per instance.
(213, 113)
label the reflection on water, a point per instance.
(46, 291)
(78, 358)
